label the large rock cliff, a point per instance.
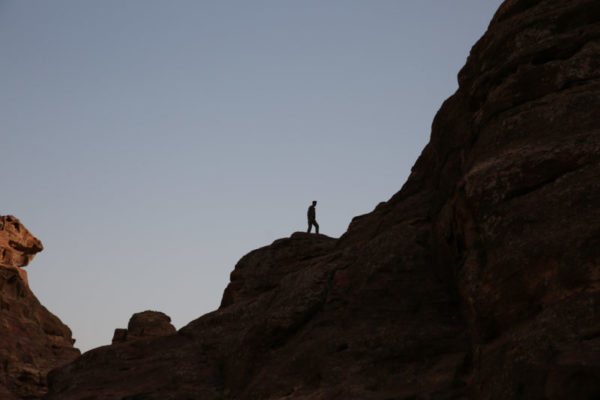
(479, 279)
(32, 340)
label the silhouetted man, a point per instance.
(312, 218)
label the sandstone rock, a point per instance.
(479, 279)
(32, 340)
(144, 325)
(17, 245)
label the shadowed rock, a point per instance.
(479, 279)
(144, 325)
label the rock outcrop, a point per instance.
(32, 340)
(479, 279)
(17, 245)
(144, 325)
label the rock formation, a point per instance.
(479, 279)
(32, 340)
(144, 325)
(17, 245)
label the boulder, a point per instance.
(144, 325)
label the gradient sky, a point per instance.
(151, 144)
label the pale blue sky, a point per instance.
(151, 144)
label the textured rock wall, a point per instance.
(32, 340)
(522, 223)
(479, 279)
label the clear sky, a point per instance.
(151, 144)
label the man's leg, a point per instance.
(316, 226)
(309, 227)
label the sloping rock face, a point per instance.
(303, 318)
(479, 279)
(32, 340)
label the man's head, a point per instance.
(314, 202)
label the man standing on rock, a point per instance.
(312, 217)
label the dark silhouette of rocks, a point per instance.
(261, 270)
(479, 279)
(145, 325)
(32, 340)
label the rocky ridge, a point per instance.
(479, 279)
(32, 340)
